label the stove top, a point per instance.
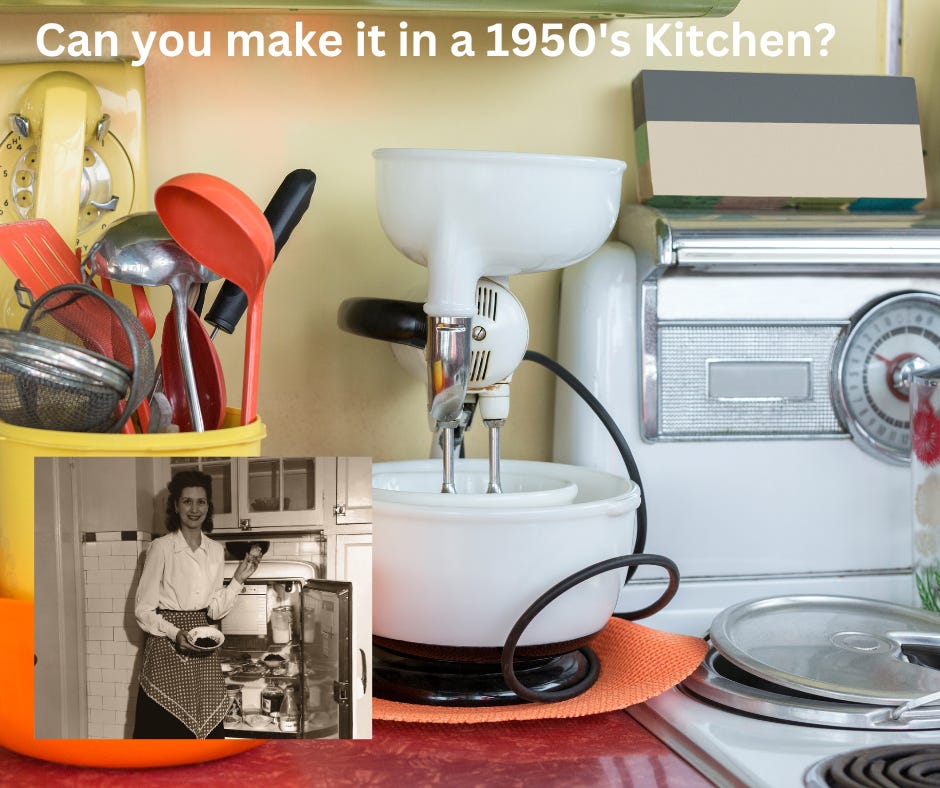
(742, 750)
(796, 680)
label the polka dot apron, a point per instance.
(188, 686)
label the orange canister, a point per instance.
(19, 446)
(17, 718)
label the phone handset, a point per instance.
(62, 163)
(60, 114)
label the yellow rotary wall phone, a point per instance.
(74, 152)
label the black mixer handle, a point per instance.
(388, 319)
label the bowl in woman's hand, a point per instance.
(240, 548)
(206, 639)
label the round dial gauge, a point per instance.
(873, 364)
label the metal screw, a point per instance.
(478, 333)
(102, 127)
(19, 125)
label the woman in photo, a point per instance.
(182, 691)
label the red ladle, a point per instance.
(207, 369)
(220, 227)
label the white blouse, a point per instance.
(176, 577)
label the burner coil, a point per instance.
(910, 766)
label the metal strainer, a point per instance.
(83, 316)
(48, 384)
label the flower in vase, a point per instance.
(927, 501)
(926, 544)
(925, 434)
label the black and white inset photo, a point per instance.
(184, 597)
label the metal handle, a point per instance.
(906, 708)
(388, 319)
(283, 213)
(365, 677)
(341, 693)
(244, 524)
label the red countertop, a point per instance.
(602, 750)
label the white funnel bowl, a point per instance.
(447, 573)
(468, 214)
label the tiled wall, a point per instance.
(302, 549)
(112, 638)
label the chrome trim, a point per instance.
(448, 358)
(651, 394)
(775, 576)
(649, 359)
(871, 254)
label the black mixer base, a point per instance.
(432, 682)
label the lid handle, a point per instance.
(906, 708)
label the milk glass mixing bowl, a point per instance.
(451, 570)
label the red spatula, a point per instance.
(38, 256)
(41, 259)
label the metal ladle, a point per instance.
(138, 250)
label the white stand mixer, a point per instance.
(462, 580)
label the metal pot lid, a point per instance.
(724, 684)
(845, 648)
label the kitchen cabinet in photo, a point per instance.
(268, 493)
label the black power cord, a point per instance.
(595, 405)
(509, 649)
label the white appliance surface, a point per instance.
(273, 569)
(738, 750)
(736, 508)
(743, 519)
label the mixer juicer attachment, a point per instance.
(466, 215)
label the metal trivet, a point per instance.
(909, 766)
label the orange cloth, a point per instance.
(636, 663)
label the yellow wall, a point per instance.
(922, 61)
(252, 120)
